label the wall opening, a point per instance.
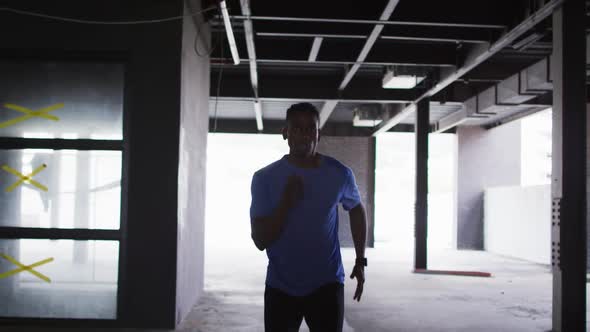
(395, 190)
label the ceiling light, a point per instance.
(366, 116)
(393, 81)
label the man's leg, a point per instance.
(324, 308)
(282, 312)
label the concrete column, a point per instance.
(568, 238)
(194, 127)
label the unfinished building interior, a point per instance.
(122, 122)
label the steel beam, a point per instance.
(274, 127)
(315, 49)
(421, 207)
(326, 111)
(293, 50)
(479, 54)
(381, 21)
(393, 62)
(569, 174)
(249, 34)
(369, 43)
(387, 37)
(397, 118)
(309, 87)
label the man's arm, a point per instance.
(358, 227)
(265, 230)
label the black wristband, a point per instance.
(361, 261)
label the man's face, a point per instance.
(302, 133)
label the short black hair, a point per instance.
(303, 108)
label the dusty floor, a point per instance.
(516, 298)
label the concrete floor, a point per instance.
(516, 298)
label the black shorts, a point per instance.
(323, 309)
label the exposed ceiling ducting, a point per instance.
(505, 99)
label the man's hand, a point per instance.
(359, 272)
(293, 191)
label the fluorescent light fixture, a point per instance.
(230, 33)
(258, 112)
(367, 116)
(393, 81)
(358, 122)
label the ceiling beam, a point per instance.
(249, 35)
(425, 63)
(308, 88)
(478, 54)
(343, 52)
(381, 21)
(369, 43)
(330, 105)
(315, 49)
(245, 126)
(360, 36)
(327, 109)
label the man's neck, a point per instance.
(309, 161)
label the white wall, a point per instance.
(487, 158)
(517, 222)
(194, 127)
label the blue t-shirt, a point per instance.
(307, 253)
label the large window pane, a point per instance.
(80, 99)
(71, 189)
(74, 279)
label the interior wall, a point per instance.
(518, 222)
(487, 158)
(358, 153)
(194, 126)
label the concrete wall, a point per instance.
(358, 153)
(486, 158)
(518, 222)
(152, 57)
(194, 126)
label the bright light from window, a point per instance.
(536, 135)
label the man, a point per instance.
(294, 216)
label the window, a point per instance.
(61, 157)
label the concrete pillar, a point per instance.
(569, 229)
(194, 127)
